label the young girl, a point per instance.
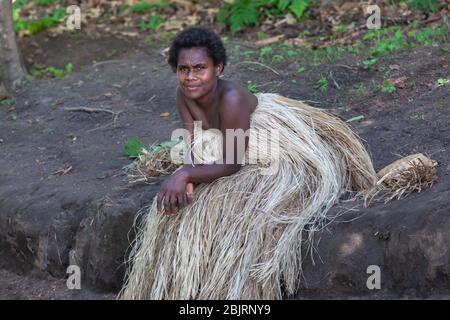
(241, 234)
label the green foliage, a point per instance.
(44, 2)
(341, 28)
(397, 42)
(441, 82)
(427, 6)
(165, 144)
(301, 69)
(153, 23)
(18, 4)
(6, 102)
(69, 68)
(51, 72)
(369, 63)
(387, 87)
(133, 148)
(34, 26)
(428, 35)
(241, 13)
(298, 7)
(264, 52)
(322, 83)
(360, 89)
(277, 58)
(141, 7)
(253, 88)
(354, 49)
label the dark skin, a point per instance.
(218, 104)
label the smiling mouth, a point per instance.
(192, 88)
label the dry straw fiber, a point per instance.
(241, 238)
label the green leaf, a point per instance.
(69, 68)
(133, 147)
(164, 144)
(283, 4)
(141, 7)
(387, 87)
(298, 7)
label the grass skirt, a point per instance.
(245, 235)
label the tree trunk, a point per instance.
(12, 69)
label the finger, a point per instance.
(185, 198)
(190, 197)
(181, 203)
(166, 202)
(173, 204)
(190, 187)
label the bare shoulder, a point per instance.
(236, 99)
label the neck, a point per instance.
(207, 101)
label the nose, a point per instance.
(190, 75)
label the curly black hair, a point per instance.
(197, 37)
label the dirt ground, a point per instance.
(64, 197)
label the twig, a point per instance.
(64, 171)
(260, 64)
(116, 115)
(346, 66)
(91, 110)
(334, 81)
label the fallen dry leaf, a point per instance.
(400, 83)
(164, 114)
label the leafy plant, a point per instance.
(322, 83)
(253, 88)
(397, 42)
(427, 6)
(51, 72)
(44, 2)
(277, 58)
(133, 147)
(6, 102)
(141, 7)
(265, 51)
(153, 23)
(241, 13)
(387, 87)
(369, 63)
(301, 69)
(34, 26)
(291, 53)
(441, 82)
(360, 89)
(341, 28)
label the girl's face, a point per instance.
(196, 72)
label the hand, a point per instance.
(173, 194)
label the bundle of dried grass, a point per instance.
(154, 162)
(244, 235)
(405, 175)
